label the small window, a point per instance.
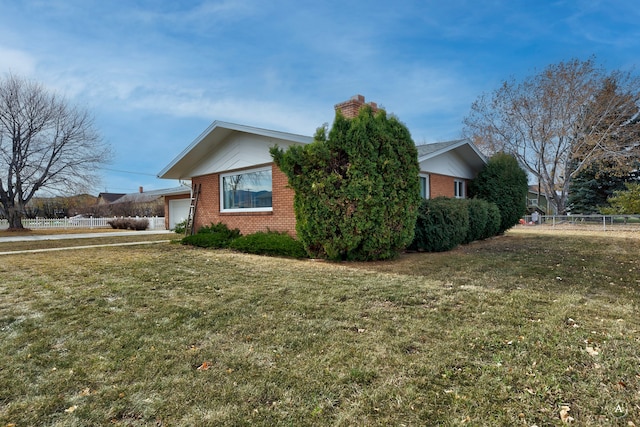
(424, 186)
(247, 191)
(458, 189)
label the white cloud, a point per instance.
(16, 61)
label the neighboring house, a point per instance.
(242, 187)
(537, 201)
(108, 198)
(146, 203)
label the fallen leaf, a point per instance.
(564, 415)
(204, 366)
(591, 351)
(70, 409)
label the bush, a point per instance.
(503, 182)
(269, 243)
(220, 228)
(442, 224)
(494, 220)
(129, 223)
(207, 240)
(212, 236)
(357, 189)
(478, 215)
(181, 227)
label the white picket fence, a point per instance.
(155, 223)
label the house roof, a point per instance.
(213, 136)
(110, 197)
(464, 147)
(150, 196)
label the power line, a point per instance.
(130, 172)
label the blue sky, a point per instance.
(156, 73)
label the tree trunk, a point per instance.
(15, 219)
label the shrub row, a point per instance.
(262, 243)
(129, 223)
(269, 243)
(445, 223)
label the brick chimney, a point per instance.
(140, 189)
(351, 108)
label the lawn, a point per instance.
(525, 329)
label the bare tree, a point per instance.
(560, 121)
(45, 144)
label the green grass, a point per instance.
(499, 332)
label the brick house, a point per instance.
(242, 187)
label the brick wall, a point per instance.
(281, 218)
(442, 185)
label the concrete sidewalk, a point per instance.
(34, 238)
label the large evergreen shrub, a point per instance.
(442, 224)
(503, 182)
(357, 189)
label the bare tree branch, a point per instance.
(560, 121)
(45, 143)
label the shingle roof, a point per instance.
(426, 149)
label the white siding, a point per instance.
(239, 150)
(450, 164)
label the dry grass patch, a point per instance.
(502, 332)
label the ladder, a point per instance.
(195, 195)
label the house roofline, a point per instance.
(452, 145)
(217, 124)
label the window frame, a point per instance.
(459, 190)
(426, 194)
(243, 172)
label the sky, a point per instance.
(156, 73)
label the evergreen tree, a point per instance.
(503, 182)
(590, 189)
(356, 187)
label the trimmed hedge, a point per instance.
(129, 224)
(445, 223)
(269, 243)
(212, 236)
(208, 240)
(442, 224)
(494, 220)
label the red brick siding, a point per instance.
(281, 218)
(442, 185)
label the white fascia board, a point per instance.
(213, 135)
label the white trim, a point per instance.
(240, 172)
(427, 185)
(459, 183)
(182, 165)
